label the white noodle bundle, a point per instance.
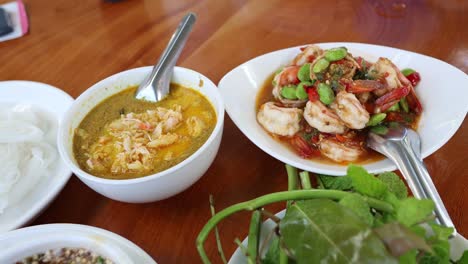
(27, 151)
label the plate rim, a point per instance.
(41, 204)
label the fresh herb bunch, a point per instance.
(357, 218)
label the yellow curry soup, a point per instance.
(124, 138)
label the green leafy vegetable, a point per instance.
(409, 257)
(336, 183)
(464, 258)
(304, 73)
(412, 211)
(359, 206)
(366, 183)
(322, 231)
(399, 239)
(272, 255)
(441, 232)
(394, 184)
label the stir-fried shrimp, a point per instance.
(338, 151)
(279, 120)
(389, 74)
(287, 76)
(322, 118)
(308, 54)
(350, 110)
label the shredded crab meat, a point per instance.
(130, 143)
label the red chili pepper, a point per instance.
(394, 117)
(340, 138)
(302, 148)
(414, 102)
(303, 48)
(313, 95)
(394, 95)
(414, 78)
(311, 58)
(369, 107)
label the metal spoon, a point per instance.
(156, 86)
(403, 146)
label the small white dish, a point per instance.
(458, 244)
(442, 93)
(55, 102)
(19, 244)
(156, 186)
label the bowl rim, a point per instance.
(218, 105)
(337, 171)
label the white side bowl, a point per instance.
(19, 244)
(442, 92)
(156, 186)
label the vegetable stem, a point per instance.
(254, 234)
(218, 240)
(305, 180)
(273, 198)
(292, 181)
(243, 249)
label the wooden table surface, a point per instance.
(74, 44)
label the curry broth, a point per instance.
(265, 95)
(193, 104)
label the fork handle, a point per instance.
(424, 183)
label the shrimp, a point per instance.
(287, 76)
(338, 151)
(392, 76)
(308, 54)
(325, 120)
(279, 120)
(350, 110)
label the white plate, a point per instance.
(24, 242)
(457, 245)
(442, 92)
(55, 102)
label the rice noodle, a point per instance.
(27, 151)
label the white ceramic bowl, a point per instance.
(19, 244)
(156, 186)
(442, 92)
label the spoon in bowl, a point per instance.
(156, 85)
(403, 146)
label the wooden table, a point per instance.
(74, 44)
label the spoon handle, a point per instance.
(421, 175)
(160, 77)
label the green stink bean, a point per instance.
(304, 73)
(394, 108)
(289, 92)
(301, 92)
(376, 119)
(336, 54)
(407, 71)
(404, 104)
(325, 93)
(381, 130)
(321, 65)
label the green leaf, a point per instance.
(409, 257)
(412, 211)
(464, 258)
(359, 206)
(366, 183)
(399, 239)
(394, 184)
(441, 232)
(336, 182)
(322, 231)
(272, 255)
